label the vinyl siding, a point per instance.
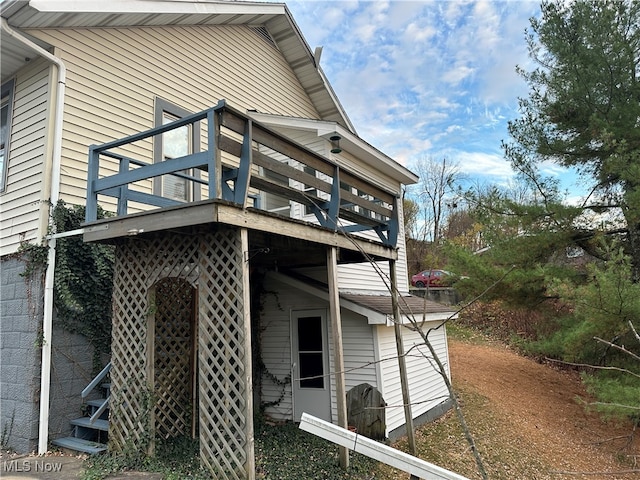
(21, 201)
(276, 342)
(426, 387)
(358, 346)
(359, 355)
(363, 277)
(115, 74)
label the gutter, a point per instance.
(53, 175)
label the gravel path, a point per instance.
(540, 403)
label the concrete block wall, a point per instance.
(71, 371)
(21, 307)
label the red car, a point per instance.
(431, 278)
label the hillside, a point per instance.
(528, 422)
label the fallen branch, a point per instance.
(618, 405)
(612, 439)
(588, 365)
(619, 472)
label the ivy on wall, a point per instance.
(83, 281)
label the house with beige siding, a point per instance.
(210, 131)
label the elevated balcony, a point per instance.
(245, 175)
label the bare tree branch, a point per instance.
(597, 367)
(621, 348)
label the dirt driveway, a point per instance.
(540, 403)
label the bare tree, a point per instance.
(438, 182)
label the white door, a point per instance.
(311, 392)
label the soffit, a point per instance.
(349, 142)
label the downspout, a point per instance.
(45, 375)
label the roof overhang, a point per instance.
(275, 17)
(349, 141)
(376, 308)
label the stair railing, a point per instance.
(93, 384)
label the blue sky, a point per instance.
(426, 78)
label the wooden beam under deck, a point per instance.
(209, 212)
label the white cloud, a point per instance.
(457, 74)
(426, 76)
(476, 164)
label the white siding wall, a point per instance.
(276, 341)
(114, 75)
(359, 355)
(364, 278)
(358, 345)
(21, 201)
(426, 387)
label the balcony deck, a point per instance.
(243, 163)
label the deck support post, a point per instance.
(248, 373)
(402, 365)
(338, 356)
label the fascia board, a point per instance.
(154, 6)
(418, 318)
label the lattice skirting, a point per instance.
(158, 282)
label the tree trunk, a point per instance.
(634, 249)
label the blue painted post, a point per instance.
(394, 224)
(215, 176)
(241, 186)
(91, 209)
(123, 197)
(333, 208)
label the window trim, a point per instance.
(7, 90)
(162, 106)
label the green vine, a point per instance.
(34, 257)
(83, 282)
(258, 298)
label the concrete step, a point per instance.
(80, 445)
(85, 422)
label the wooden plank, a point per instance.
(260, 159)
(280, 143)
(270, 186)
(211, 211)
(366, 186)
(153, 221)
(150, 364)
(152, 170)
(250, 466)
(300, 230)
(233, 147)
(338, 353)
(404, 379)
(364, 203)
(376, 450)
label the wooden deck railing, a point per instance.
(241, 163)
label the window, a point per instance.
(5, 130)
(175, 144)
(310, 352)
